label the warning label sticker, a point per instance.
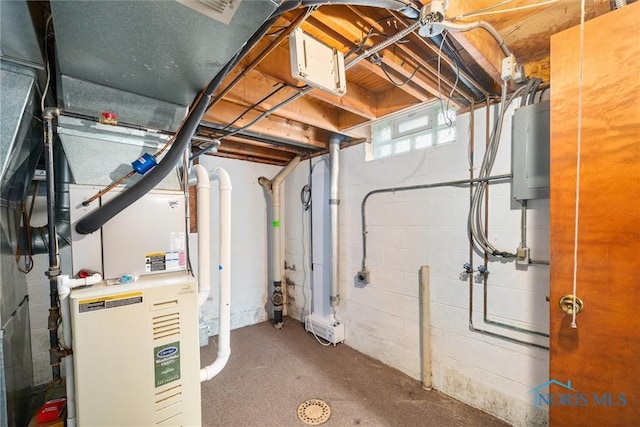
(161, 261)
(167, 363)
(155, 261)
(112, 301)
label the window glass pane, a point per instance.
(413, 124)
(423, 140)
(447, 117)
(414, 131)
(446, 135)
(403, 145)
(382, 151)
(382, 133)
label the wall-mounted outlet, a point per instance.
(523, 256)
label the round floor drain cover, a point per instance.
(314, 412)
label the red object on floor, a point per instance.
(52, 410)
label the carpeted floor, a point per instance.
(271, 372)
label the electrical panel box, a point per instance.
(317, 64)
(136, 354)
(530, 152)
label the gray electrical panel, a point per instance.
(530, 152)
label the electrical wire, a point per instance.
(305, 198)
(26, 218)
(393, 82)
(476, 218)
(576, 231)
(502, 3)
(513, 9)
(46, 60)
(445, 112)
(252, 107)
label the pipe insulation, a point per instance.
(202, 178)
(273, 189)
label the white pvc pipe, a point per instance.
(334, 202)
(203, 189)
(65, 284)
(275, 207)
(273, 188)
(224, 334)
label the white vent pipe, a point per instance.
(65, 284)
(334, 202)
(273, 188)
(202, 178)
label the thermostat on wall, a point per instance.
(317, 64)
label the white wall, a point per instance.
(429, 227)
(249, 259)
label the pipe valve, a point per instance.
(467, 268)
(483, 270)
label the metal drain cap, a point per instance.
(314, 412)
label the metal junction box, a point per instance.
(530, 152)
(317, 64)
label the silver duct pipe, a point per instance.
(62, 179)
(620, 3)
(273, 189)
(55, 353)
(334, 202)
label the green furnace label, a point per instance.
(167, 363)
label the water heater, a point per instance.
(136, 352)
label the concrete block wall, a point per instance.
(429, 227)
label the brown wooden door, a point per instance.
(601, 358)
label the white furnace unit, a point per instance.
(136, 352)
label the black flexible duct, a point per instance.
(100, 216)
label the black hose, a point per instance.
(100, 216)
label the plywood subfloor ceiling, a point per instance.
(402, 76)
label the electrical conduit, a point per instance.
(273, 188)
(64, 286)
(202, 178)
(452, 26)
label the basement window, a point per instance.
(427, 127)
